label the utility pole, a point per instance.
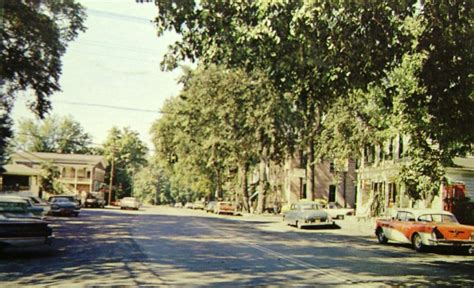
(111, 177)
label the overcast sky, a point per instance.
(114, 63)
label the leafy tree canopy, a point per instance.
(34, 38)
(53, 134)
(128, 153)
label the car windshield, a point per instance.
(309, 206)
(440, 218)
(12, 207)
(61, 200)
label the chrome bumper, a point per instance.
(455, 243)
(27, 241)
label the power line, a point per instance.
(112, 45)
(110, 107)
(112, 56)
(119, 107)
(121, 17)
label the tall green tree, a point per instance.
(313, 51)
(53, 134)
(426, 94)
(124, 148)
(34, 39)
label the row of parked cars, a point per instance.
(422, 228)
(22, 218)
(217, 207)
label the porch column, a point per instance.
(75, 179)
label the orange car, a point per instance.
(423, 228)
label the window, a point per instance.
(392, 194)
(400, 147)
(390, 150)
(332, 193)
(405, 216)
(331, 167)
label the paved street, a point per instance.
(167, 246)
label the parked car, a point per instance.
(425, 228)
(129, 203)
(62, 205)
(198, 205)
(38, 202)
(34, 206)
(210, 206)
(336, 211)
(18, 227)
(225, 207)
(94, 202)
(307, 214)
(189, 205)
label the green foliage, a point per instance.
(128, 154)
(48, 178)
(354, 72)
(224, 117)
(146, 184)
(34, 38)
(53, 134)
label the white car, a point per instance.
(336, 211)
(129, 203)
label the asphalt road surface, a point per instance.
(173, 247)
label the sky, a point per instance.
(114, 63)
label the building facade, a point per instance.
(77, 173)
(378, 189)
(333, 183)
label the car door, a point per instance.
(290, 215)
(399, 226)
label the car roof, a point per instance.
(419, 212)
(13, 199)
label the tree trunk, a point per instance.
(311, 172)
(218, 192)
(243, 167)
(262, 183)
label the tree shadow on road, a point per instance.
(109, 248)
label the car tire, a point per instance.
(298, 224)
(417, 243)
(381, 236)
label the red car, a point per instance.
(424, 228)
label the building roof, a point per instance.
(57, 158)
(18, 169)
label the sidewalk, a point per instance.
(357, 226)
(351, 225)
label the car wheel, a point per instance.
(381, 236)
(298, 224)
(418, 243)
